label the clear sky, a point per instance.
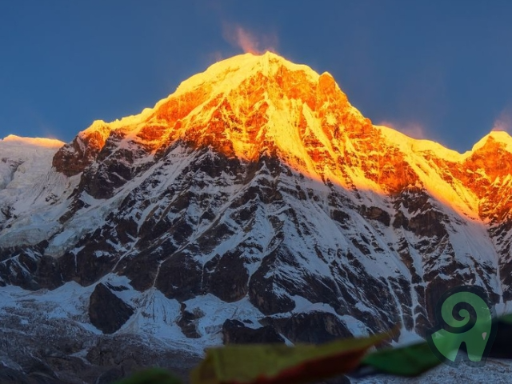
(441, 70)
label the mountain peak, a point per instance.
(242, 107)
(250, 106)
(499, 135)
(37, 141)
(502, 138)
(230, 72)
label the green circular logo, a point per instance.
(464, 320)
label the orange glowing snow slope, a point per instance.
(253, 104)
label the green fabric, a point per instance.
(151, 376)
(412, 360)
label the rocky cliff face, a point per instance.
(256, 200)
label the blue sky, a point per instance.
(437, 69)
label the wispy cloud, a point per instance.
(215, 56)
(504, 121)
(248, 41)
(413, 129)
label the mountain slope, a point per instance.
(257, 193)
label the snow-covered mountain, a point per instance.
(253, 204)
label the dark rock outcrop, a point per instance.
(187, 322)
(107, 312)
(235, 332)
(312, 327)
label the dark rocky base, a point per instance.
(35, 349)
(59, 351)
